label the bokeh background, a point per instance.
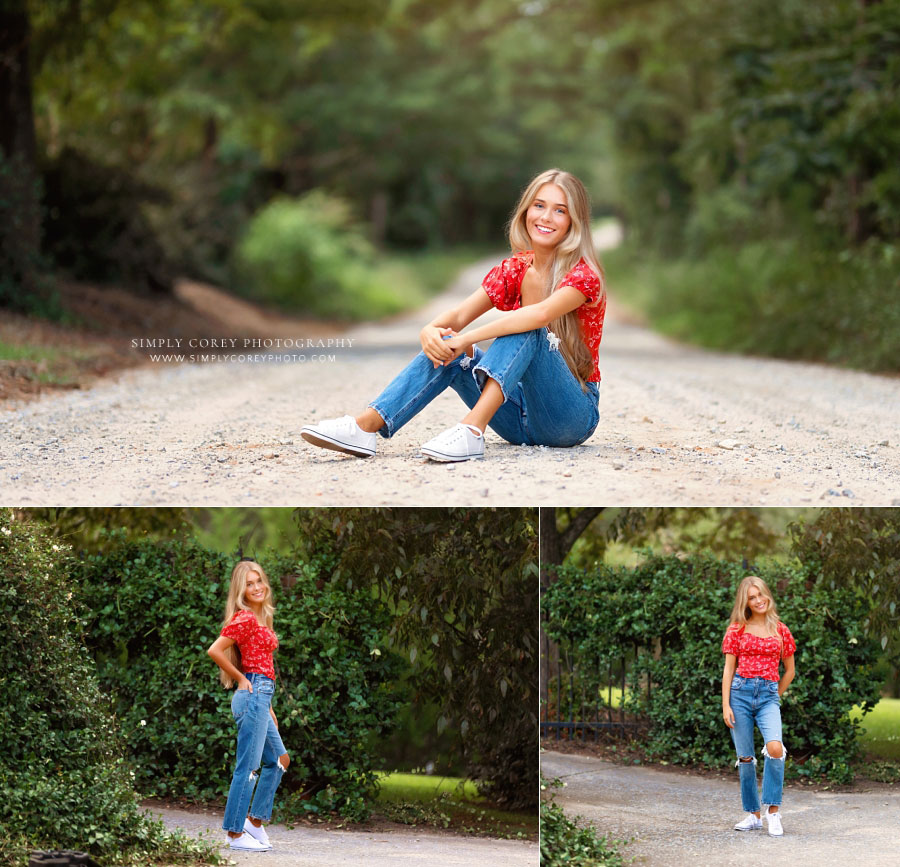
(338, 159)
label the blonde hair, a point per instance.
(741, 612)
(577, 244)
(236, 602)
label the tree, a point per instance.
(859, 549)
(464, 587)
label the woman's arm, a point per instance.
(217, 654)
(727, 675)
(562, 301)
(451, 321)
(788, 675)
(274, 718)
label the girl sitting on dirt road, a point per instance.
(537, 384)
(755, 642)
(243, 652)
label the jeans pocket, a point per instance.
(737, 682)
(240, 701)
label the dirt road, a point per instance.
(679, 426)
(678, 820)
(313, 847)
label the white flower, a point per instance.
(7, 531)
(374, 652)
(143, 722)
(55, 547)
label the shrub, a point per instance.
(307, 255)
(156, 608)
(670, 615)
(63, 774)
(564, 844)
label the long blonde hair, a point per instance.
(236, 602)
(576, 245)
(741, 612)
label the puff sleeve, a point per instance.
(789, 646)
(241, 627)
(503, 283)
(586, 280)
(731, 643)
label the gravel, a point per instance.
(679, 426)
(681, 820)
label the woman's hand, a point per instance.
(728, 715)
(458, 344)
(433, 344)
(243, 683)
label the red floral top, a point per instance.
(758, 657)
(503, 285)
(256, 643)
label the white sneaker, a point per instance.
(774, 820)
(247, 843)
(462, 442)
(257, 833)
(341, 435)
(750, 823)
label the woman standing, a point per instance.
(243, 652)
(754, 643)
(538, 382)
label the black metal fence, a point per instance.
(580, 695)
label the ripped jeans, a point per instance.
(258, 742)
(543, 401)
(755, 700)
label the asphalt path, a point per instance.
(315, 847)
(676, 819)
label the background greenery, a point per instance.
(276, 148)
(667, 617)
(402, 645)
(66, 779)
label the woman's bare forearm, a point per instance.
(217, 654)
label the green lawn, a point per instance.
(881, 738)
(448, 802)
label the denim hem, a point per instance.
(387, 429)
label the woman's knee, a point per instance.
(284, 760)
(774, 750)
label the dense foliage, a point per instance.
(154, 610)
(759, 169)
(64, 775)
(666, 618)
(566, 844)
(859, 549)
(463, 584)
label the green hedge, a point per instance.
(668, 617)
(157, 607)
(64, 778)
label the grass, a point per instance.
(881, 736)
(448, 802)
(46, 365)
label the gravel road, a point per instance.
(679, 426)
(679, 820)
(313, 847)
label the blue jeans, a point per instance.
(257, 741)
(755, 700)
(543, 401)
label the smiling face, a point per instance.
(547, 219)
(757, 601)
(256, 592)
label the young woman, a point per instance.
(243, 652)
(537, 383)
(755, 642)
